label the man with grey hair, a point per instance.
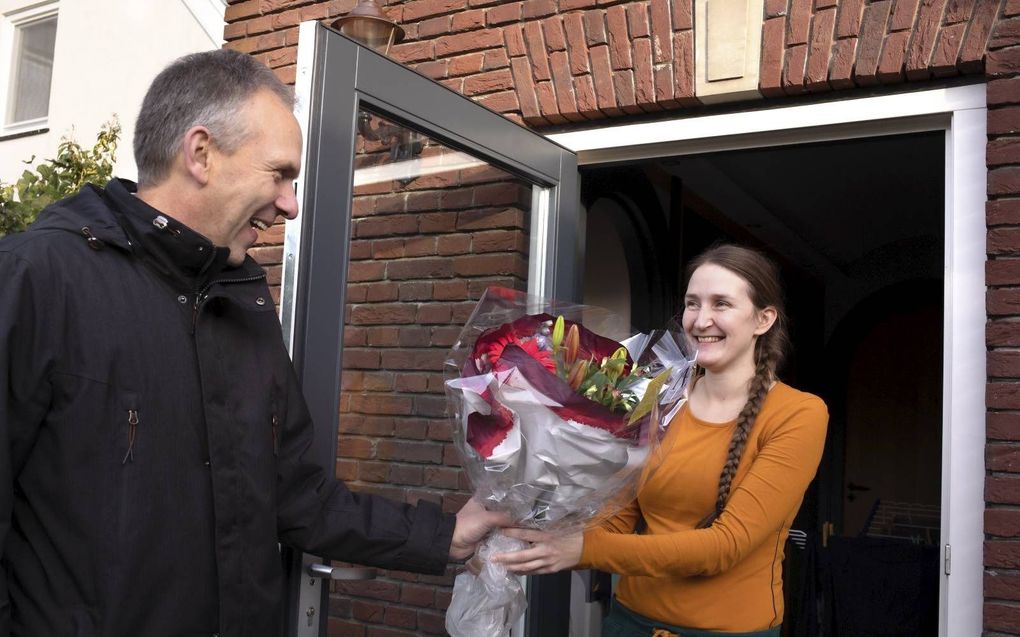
(153, 432)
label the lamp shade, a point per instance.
(367, 24)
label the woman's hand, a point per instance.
(548, 553)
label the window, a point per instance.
(27, 37)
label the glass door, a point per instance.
(413, 200)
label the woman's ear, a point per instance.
(766, 317)
(197, 153)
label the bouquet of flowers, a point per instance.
(554, 423)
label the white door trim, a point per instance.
(960, 112)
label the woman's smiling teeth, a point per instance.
(258, 225)
(709, 339)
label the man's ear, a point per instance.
(197, 153)
(766, 318)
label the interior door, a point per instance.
(380, 138)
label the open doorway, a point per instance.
(858, 229)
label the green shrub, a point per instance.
(54, 179)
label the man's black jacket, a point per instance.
(153, 436)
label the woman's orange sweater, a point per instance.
(727, 577)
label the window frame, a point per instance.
(14, 16)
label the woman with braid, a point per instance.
(700, 550)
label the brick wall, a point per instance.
(1002, 488)
(567, 62)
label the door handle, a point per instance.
(325, 571)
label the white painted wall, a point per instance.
(107, 52)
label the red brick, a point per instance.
(564, 87)
(352, 447)
(552, 28)
(1005, 150)
(890, 65)
(1012, 8)
(637, 19)
(418, 269)
(958, 11)
(848, 23)
(434, 26)
(432, 623)
(1001, 585)
(869, 49)
(584, 92)
(416, 10)
(947, 48)
(798, 22)
(365, 271)
(240, 10)
(1002, 554)
(595, 25)
(570, 5)
(382, 313)
(467, 20)
(536, 51)
(1002, 271)
(623, 84)
(663, 75)
(514, 36)
(434, 69)
(482, 219)
(661, 28)
(1002, 489)
(821, 49)
(793, 74)
(1003, 62)
(488, 82)
(1001, 617)
(234, 31)
(619, 40)
(421, 596)
(575, 40)
(500, 102)
(473, 40)
(602, 75)
(539, 8)
(975, 43)
(1003, 426)
(1003, 395)
(414, 51)
(1002, 212)
(1006, 33)
(361, 358)
(922, 42)
(1002, 333)
(1004, 181)
(644, 84)
(1003, 241)
(843, 56)
(903, 15)
(466, 64)
(286, 19)
(776, 8)
(495, 59)
(489, 264)
(1002, 457)
(683, 15)
(683, 67)
(772, 50)
(455, 290)
(521, 69)
(503, 13)
(417, 359)
(1003, 301)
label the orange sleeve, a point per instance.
(757, 509)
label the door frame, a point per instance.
(959, 111)
(336, 77)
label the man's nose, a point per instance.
(286, 203)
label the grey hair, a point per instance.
(202, 89)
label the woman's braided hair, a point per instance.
(765, 290)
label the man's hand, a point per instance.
(473, 524)
(547, 553)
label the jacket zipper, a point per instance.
(132, 432)
(203, 294)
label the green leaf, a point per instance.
(651, 396)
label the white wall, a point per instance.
(107, 52)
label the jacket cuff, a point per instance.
(428, 544)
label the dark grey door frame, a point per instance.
(337, 77)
